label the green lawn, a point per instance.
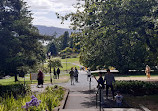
(62, 79)
(71, 62)
(64, 76)
(135, 75)
(69, 65)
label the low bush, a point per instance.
(74, 56)
(137, 88)
(63, 56)
(14, 90)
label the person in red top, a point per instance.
(40, 78)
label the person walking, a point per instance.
(147, 71)
(72, 76)
(58, 72)
(76, 74)
(55, 74)
(109, 78)
(40, 78)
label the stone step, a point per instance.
(105, 109)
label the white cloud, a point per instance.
(50, 22)
(42, 8)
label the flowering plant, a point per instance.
(33, 102)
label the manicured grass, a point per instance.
(69, 65)
(71, 62)
(133, 75)
(150, 102)
(62, 79)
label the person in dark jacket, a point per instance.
(55, 76)
(58, 72)
(76, 74)
(101, 87)
(109, 78)
(72, 76)
(40, 78)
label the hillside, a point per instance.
(44, 30)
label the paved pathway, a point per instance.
(79, 96)
(81, 99)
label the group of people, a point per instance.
(109, 79)
(73, 75)
(56, 73)
(40, 76)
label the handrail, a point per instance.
(98, 91)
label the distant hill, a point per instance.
(44, 30)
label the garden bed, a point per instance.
(48, 100)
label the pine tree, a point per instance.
(19, 39)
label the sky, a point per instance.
(44, 11)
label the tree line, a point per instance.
(63, 44)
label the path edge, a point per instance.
(143, 108)
(63, 102)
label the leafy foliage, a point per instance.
(19, 39)
(49, 100)
(13, 90)
(54, 63)
(118, 33)
(52, 48)
(137, 88)
(67, 51)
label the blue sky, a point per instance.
(44, 11)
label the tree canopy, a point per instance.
(19, 39)
(54, 63)
(118, 33)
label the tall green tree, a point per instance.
(62, 41)
(65, 40)
(52, 48)
(118, 33)
(19, 39)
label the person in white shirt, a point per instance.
(119, 99)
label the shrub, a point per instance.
(49, 100)
(63, 56)
(137, 88)
(14, 90)
(74, 56)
